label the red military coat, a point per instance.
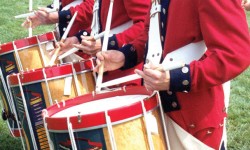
(123, 11)
(223, 27)
(66, 2)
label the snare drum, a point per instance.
(20, 55)
(28, 53)
(34, 90)
(126, 119)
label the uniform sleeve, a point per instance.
(136, 48)
(85, 13)
(137, 11)
(66, 2)
(225, 32)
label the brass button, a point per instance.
(185, 82)
(169, 92)
(209, 132)
(192, 125)
(162, 38)
(112, 43)
(132, 48)
(68, 16)
(174, 104)
(162, 24)
(164, 11)
(185, 70)
(85, 33)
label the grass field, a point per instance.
(238, 114)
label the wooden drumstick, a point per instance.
(30, 23)
(104, 47)
(65, 34)
(33, 13)
(30, 5)
(73, 50)
(30, 28)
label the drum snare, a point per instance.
(123, 119)
(18, 56)
(34, 90)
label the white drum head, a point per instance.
(100, 105)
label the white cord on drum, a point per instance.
(42, 52)
(8, 101)
(71, 134)
(7, 93)
(150, 140)
(45, 113)
(19, 63)
(93, 66)
(47, 87)
(14, 110)
(110, 131)
(27, 113)
(163, 121)
(76, 80)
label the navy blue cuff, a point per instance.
(112, 42)
(169, 101)
(80, 33)
(180, 79)
(130, 56)
(64, 16)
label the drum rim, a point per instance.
(53, 72)
(8, 47)
(151, 103)
(105, 125)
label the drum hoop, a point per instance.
(23, 48)
(14, 131)
(42, 80)
(104, 125)
(66, 68)
(39, 40)
(9, 46)
(150, 102)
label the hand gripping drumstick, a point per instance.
(105, 46)
(193, 51)
(65, 34)
(136, 76)
(73, 50)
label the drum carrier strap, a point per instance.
(95, 26)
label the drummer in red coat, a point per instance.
(62, 17)
(127, 18)
(192, 95)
